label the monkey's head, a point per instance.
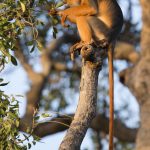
(72, 2)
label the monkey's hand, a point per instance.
(63, 18)
(61, 14)
(53, 12)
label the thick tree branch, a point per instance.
(125, 51)
(99, 123)
(24, 62)
(137, 79)
(121, 131)
(63, 67)
(86, 109)
(38, 81)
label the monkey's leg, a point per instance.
(85, 33)
(100, 31)
(84, 29)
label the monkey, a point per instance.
(99, 22)
(99, 19)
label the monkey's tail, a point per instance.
(111, 96)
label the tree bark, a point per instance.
(86, 109)
(143, 137)
(99, 124)
(137, 78)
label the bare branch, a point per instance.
(23, 60)
(125, 51)
(63, 67)
(99, 123)
(38, 81)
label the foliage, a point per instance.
(18, 17)
(9, 122)
(10, 137)
(12, 22)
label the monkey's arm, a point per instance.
(76, 11)
(82, 10)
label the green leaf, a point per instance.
(2, 5)
(23, 7)
(1, 80)
(37, 117)
(12, 115)
(36, 138)
(4, 84)
(29, 145)
(55, 29)
(19, 95)
(17, 123)
(28, 130)
(39, 45)
(54, 21)
(32, 49)
(14, 61)
(59, 4)
(2, 112)
(33, 142)
(26, 137)
(44, 115)
(30, 43)
(54, 35)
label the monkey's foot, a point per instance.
(75, 50)
(102, 43)
(83, 48)
(87, 52)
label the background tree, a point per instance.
(49, 69)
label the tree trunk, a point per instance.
(86, 109)
(137, 79)
(143, 137)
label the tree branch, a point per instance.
(86, 109)
(99, 123)
(125, 51)
(38, 81)
(24, 62)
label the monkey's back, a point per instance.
(110, 13)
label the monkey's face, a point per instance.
(73, 2)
